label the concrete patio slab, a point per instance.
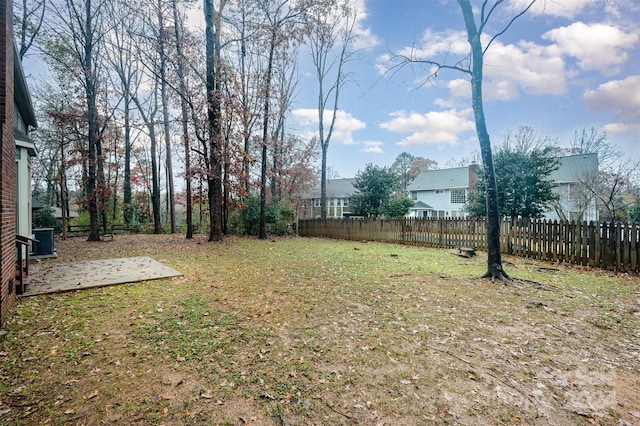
(59, 277)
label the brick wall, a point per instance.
(7, 164)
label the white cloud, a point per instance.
(613, 128)
(432, 44)
(526, 67)
(509, 69)
(622, 97)
(565, 9)
(343, 130)
(598, 47)
(572, 8)
(383, 63)
(364, 37)
(431, 128)
(372, 147)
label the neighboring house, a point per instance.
(443, 193)
(339, 192)
(16, 116)
(573, 177)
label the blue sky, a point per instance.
(565, 66)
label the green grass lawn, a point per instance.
(322, 332)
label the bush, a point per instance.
(398, 206)
(279, 216)
(43, 218)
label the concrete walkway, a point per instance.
(52, 277)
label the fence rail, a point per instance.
(81, 230)
(611, 246)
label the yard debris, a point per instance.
(467, 252)
(92, 394)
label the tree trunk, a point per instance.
(127, 196)
(155, 184)
(92, 118)
(185, 124)
(214, 177)
(265, 131)
(63, 185)
(494, 258)
(165, 116)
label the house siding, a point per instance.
(8, 182)
(423, 190)
(339, 203)
(434, 188)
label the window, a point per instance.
(439, 191)
(316, 202)
(458, 196)
(18, 122)
(345, 202)
(414, 195)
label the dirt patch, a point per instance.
(311, 331)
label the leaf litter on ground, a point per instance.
(316, 331)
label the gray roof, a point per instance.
(574, 167)
(421, 205)
(440, 179)
(336, 188)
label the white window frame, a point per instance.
(460, 194)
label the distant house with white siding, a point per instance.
(576, 202)
(444, 193)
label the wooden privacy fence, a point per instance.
(612, 246)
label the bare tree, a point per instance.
(473, 66)
(75, 38)
(28, 20)
(248, 75)
(595, 141)
(617, 189)
(282, 24)
(121, 57)
(526, 139)
(286, 90)
(329, 38)
(178, 32)
(161, 44)
(614, 185)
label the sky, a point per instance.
(566, 65)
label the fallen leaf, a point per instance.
(93, 394)
(208, 394)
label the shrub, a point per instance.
(43, 218)
(279, 217)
